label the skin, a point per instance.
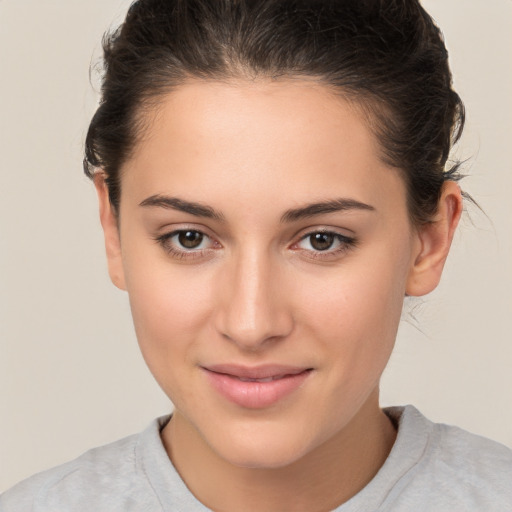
(258, 292)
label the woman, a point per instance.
(273, 181)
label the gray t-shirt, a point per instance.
(431, 467)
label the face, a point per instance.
(266, 250)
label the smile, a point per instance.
(258, 387)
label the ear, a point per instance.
(109, 223)
(434, 241)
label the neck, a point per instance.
(321, 480)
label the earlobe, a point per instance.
(434, 241)
(110, 226)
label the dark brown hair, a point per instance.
(386, 55)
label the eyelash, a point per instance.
(345, 244)
(164, 241)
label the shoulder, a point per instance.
(471, 459)
(107, 478)
(452, 467)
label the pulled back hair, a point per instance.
(387, 56)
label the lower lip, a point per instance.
(256, 395)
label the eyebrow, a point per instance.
(331, 206)
(174, 203)
(307, 211)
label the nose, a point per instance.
(252, 307)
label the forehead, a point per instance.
(290, 139)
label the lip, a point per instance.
(256, 387)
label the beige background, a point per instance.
(71, 376)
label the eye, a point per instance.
(325, 243)
(321, 241)
(186, 243)
(189, 239)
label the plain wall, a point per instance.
(71, 376)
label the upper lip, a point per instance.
(256, 372)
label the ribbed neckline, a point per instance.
(412, 440)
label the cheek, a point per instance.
(170, 307)
(355, 316)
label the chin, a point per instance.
(264, 457)
(268, 446)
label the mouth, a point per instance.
(266, 379)
(256, 387)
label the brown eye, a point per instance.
(325, 243)
(188, 244)
(321, 241)
(190, 239)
